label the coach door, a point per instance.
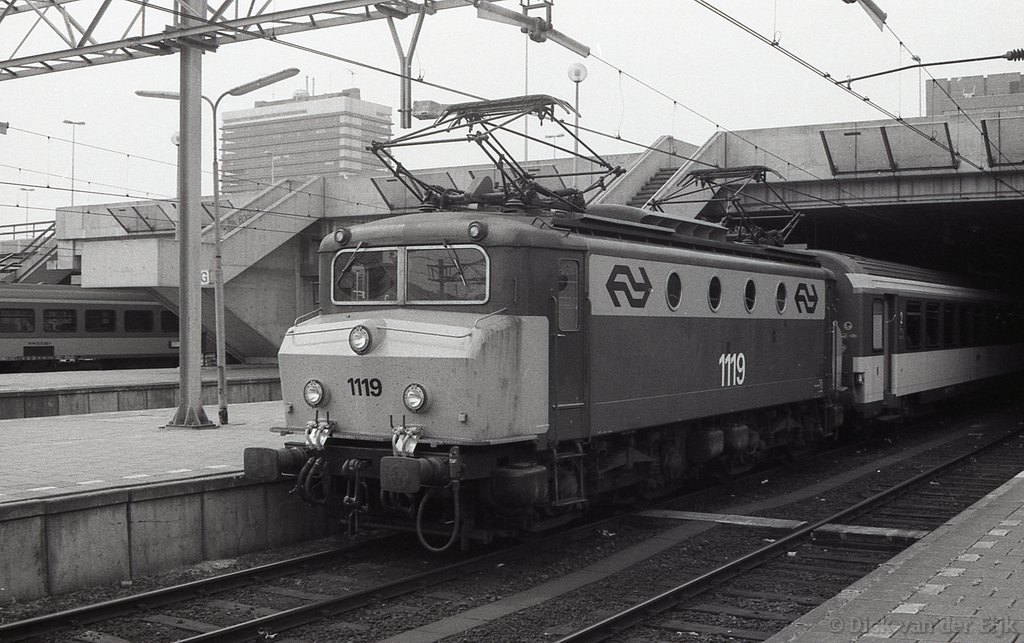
(568, 344)
(884, 333)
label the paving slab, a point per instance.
(959, 583)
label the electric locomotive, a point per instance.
(510, 355)
(475, 372)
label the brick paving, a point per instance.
(963, 583)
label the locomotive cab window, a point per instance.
(568, 294)
(446, 274)
(59, 320)
(17, 320)
(366, 276)
(100, 321)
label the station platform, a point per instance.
(105, 498)
(24, 395)
(964, 582)
(51, 456)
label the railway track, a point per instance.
(366, 600)
(756, 595)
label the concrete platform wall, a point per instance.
(39, 403)
(75, 542)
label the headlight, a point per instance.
(477, 230)
(360, 340)
(315, 393)
(415, 398)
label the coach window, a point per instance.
(877, 325)
(138, 321)
(674, 291)
(931, 324)
(100, 321)
(17, 320)
(168, 322)
(949, 320)
(715, 293)
(780, 298)
(59, 320)
(568, 294)
(966, 326)
(750, 295)
(914, 325)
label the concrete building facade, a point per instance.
(992, 93)
(300, 137)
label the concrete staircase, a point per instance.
(28, 254)
(652, 186)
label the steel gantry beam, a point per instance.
(86, 33)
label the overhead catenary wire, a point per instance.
(866, 100)
(617, 136)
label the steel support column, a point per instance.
(190, 413)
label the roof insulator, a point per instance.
(1015, 54)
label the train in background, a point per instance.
(477, 372)
(44, 327)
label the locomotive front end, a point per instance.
(420, 396)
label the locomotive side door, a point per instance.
(568, 351)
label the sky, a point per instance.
(659, 67)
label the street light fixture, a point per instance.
(74, 126)
(218, 268)
(577, 74)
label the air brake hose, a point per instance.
(419, 520)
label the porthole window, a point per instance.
(750, 295)
(715, 293)
(674, 291)
(780, 297)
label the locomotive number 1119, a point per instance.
(734, 368)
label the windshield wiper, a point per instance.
(351, 259)
(455, 260)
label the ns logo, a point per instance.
(806, 298)
(635, 290)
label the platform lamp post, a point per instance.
(553, 137)
(26, 191)
(577, 74)
(74, 127)
(218, 267)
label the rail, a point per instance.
(618, 623)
